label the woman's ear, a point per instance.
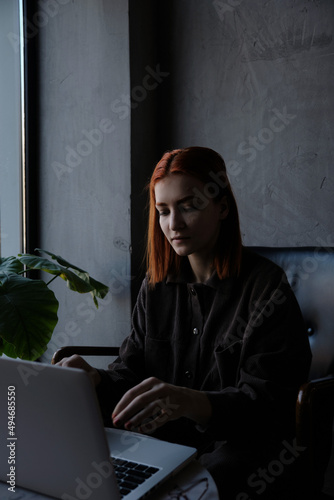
(224, 208)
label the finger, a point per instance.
(144, 416)
(69, 360)
(63, 362)
(142, 405)
(77, 361)
(151, 425)
(74, 361)
(130, 396)
(146, 405)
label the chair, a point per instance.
(67, 351)
(310, 271)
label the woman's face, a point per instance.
(189, 219)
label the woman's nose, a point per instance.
(176, 220)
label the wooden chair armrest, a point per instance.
(314, 423)
(64, 352)
(311, 395)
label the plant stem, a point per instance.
(56, 276)
(33, 269)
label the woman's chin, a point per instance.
(181, 252)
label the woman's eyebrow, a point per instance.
(182, 200)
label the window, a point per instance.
(12, 209)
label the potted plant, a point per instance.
(28, 307)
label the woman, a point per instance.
(218, 348)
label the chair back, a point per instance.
(310, 272)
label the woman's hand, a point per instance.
(76, 361)
(152, 403)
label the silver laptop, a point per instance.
(53, 440)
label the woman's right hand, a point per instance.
(76, 361)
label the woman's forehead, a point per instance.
(175, 186)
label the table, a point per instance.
(195, 481)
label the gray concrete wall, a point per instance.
(85, 163)
(251, 79)
(254, 80)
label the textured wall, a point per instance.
(85, 162)
(254, 80)
(251, 79)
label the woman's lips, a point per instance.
(180, 238)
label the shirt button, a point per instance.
(188, 374)
(192, 290)
(195, 331)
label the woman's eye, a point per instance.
(187, 208)
(164, 212)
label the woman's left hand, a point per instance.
(152, 403)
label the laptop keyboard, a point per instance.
(129, 475)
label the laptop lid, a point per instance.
(53, 440)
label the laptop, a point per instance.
(53, 440)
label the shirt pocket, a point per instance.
(227, 361)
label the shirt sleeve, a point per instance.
(129, 368)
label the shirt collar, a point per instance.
(185, 276)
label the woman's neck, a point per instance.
(202, 268)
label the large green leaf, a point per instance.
(28, 316)
(60, 260)
(74, 282)
(77, 280)
(10, 265)
(98, 289)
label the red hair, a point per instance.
(209, 167)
